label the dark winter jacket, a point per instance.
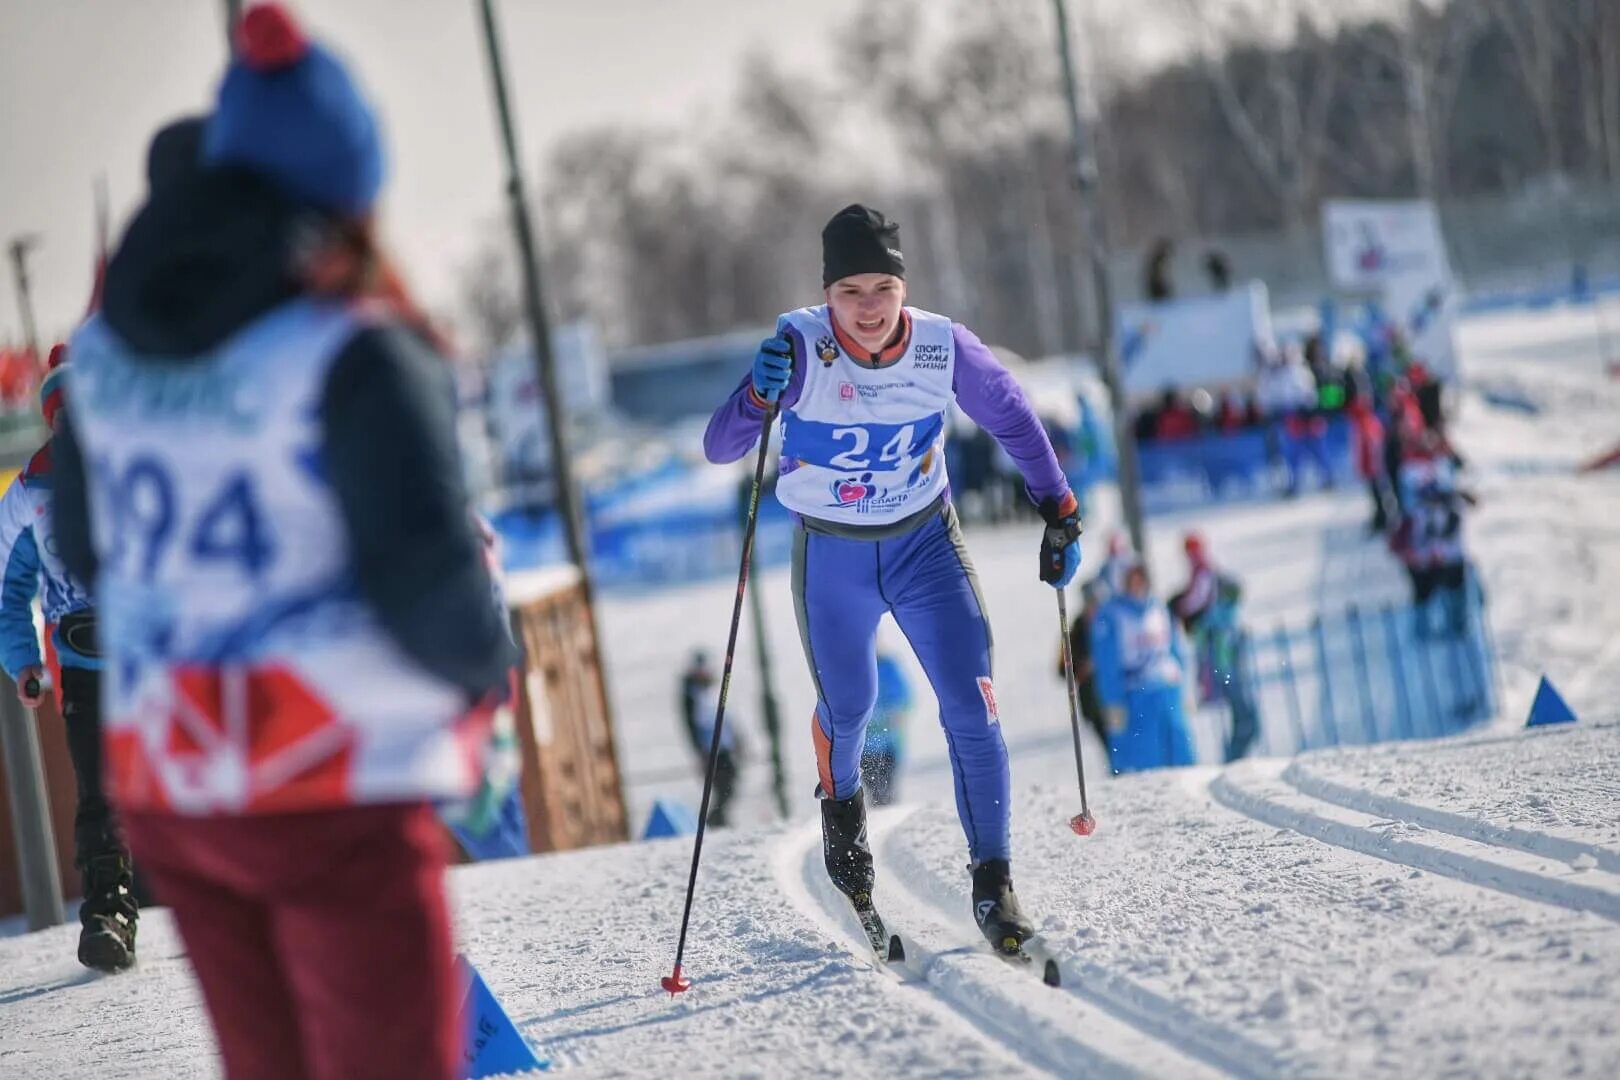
(207, 255)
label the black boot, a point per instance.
(109, 914)
(843, 843)
(995, 906)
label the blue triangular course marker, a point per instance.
(669, 818)
(492, 1043)
(1549, 707)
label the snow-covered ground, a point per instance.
(1408, 909)
(1247, 922)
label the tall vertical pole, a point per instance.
(233, 15)
(535, 307)
(20, 246)
(1095, 236)
(30, 811)
(772, 716)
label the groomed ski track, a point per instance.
(1286, 796)
(1062, 1031)
(1221, 922)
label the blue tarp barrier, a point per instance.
(1240, 465)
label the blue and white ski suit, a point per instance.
(28, 554)
(1139, 668)
(863, 470)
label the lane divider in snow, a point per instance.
(1530, 841)
(1158, 1036)
(1259, 790)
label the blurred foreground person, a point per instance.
(296, 615)
(108, 914)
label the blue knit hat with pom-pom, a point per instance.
(289, 110)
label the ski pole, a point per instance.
(1082, 823)
(675, 982)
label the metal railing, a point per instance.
(1374, 675)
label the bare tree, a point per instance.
(1595, 38)
(1276, 107)
(1434, 52)
(489, 296)
(1536, 42)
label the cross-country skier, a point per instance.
(864, 383)
(109, 913)
(699, 693)
(296, 615)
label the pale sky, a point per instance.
(84, 84)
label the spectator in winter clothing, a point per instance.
(28, 550)
(297, 644)
(1208, 609)
(1234, 415)
(699, 706)
(1429, 540)
(1177, 420)
(1405, 425)
(1156, 283)
(1367, 447)
(1287, 395)
(1140, 670)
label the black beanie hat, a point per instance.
(860, 241)
(175, 153)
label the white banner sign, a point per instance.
(1394, 251)
(1200, 341)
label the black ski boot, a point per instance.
(109, 914)
(844, 846)
(995, 907)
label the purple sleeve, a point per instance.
(992, 398)
(735, 425)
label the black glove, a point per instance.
(1060, 543)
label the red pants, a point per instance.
(321, 939)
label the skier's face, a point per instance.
(1136, 583)
(867, 307)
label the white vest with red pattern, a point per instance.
(243, 671)
(863, 445)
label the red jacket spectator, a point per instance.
(1177, 421)
(1367, 435)
(1234, 414)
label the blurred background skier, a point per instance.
(864, 383)
(109, 914)
(296, 615)
(1140, 671)
(699, 697)
(886, 730)
(1209, 609)
(1429, 538)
